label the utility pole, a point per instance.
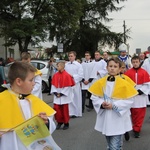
(124, 31)
(124, 35)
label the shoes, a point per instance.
(127, 136)
(58, 126)
(90, 107)
(66, 126)
(136, 134)
(48, 94)
(73, 116)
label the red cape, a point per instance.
(142, 75)
(62, 79)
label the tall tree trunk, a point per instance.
(26, 43)
(20, 46)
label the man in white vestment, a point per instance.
(146, 66)
(124, 57)
(86, 81)
(75, 69)
(99, 69)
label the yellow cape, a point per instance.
(123, 76)
(122, 88)
(11, 114)
(38, 72)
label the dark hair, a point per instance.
(135, 57)
(72, 52)
(97, 52)
(115, 59)
(87, 52)
(19, 70)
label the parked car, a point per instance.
(40, 65)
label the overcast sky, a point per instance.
(136, 14)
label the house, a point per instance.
(9, 52)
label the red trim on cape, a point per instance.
(62, 79)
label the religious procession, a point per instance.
(116, 88)
(67, 78)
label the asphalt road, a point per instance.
(82, 136)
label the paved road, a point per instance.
(82, 136)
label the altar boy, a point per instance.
(138, 110)
(112, 98)
(62, 83)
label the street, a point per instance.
(82, 136)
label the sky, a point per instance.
(136, 14)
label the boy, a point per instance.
(87, 66)
(123, 76)
(62, 83)
(75, 69)
(138, 110)
(37, 89)
(112, 98)
(17, 105)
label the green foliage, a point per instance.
(28, 21)
(78, 24)
(92, 27)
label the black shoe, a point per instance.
(127, 136)
(48, 94)
(66, 126)
(136, 134)
(73, 116)
(58, 126)
(90, 107)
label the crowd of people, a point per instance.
(117, 88)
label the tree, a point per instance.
(92, 29)
(28, 21)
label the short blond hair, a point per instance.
(62, 64)
(25, 56)
(19, 70)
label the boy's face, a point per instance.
(97, 56)
(105, 55)
(26, 60)
(123, 69)
(113, 68)
(71, 57)
(87, 56)
(27, 85)
(136, 63)
(60, 67)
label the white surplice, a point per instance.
(142, 100)
(146, 65)
(76, 71)
(87, 70)
(37, 89)
(99, 70)
(112, 122)
(67, 95)
(10, 141)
